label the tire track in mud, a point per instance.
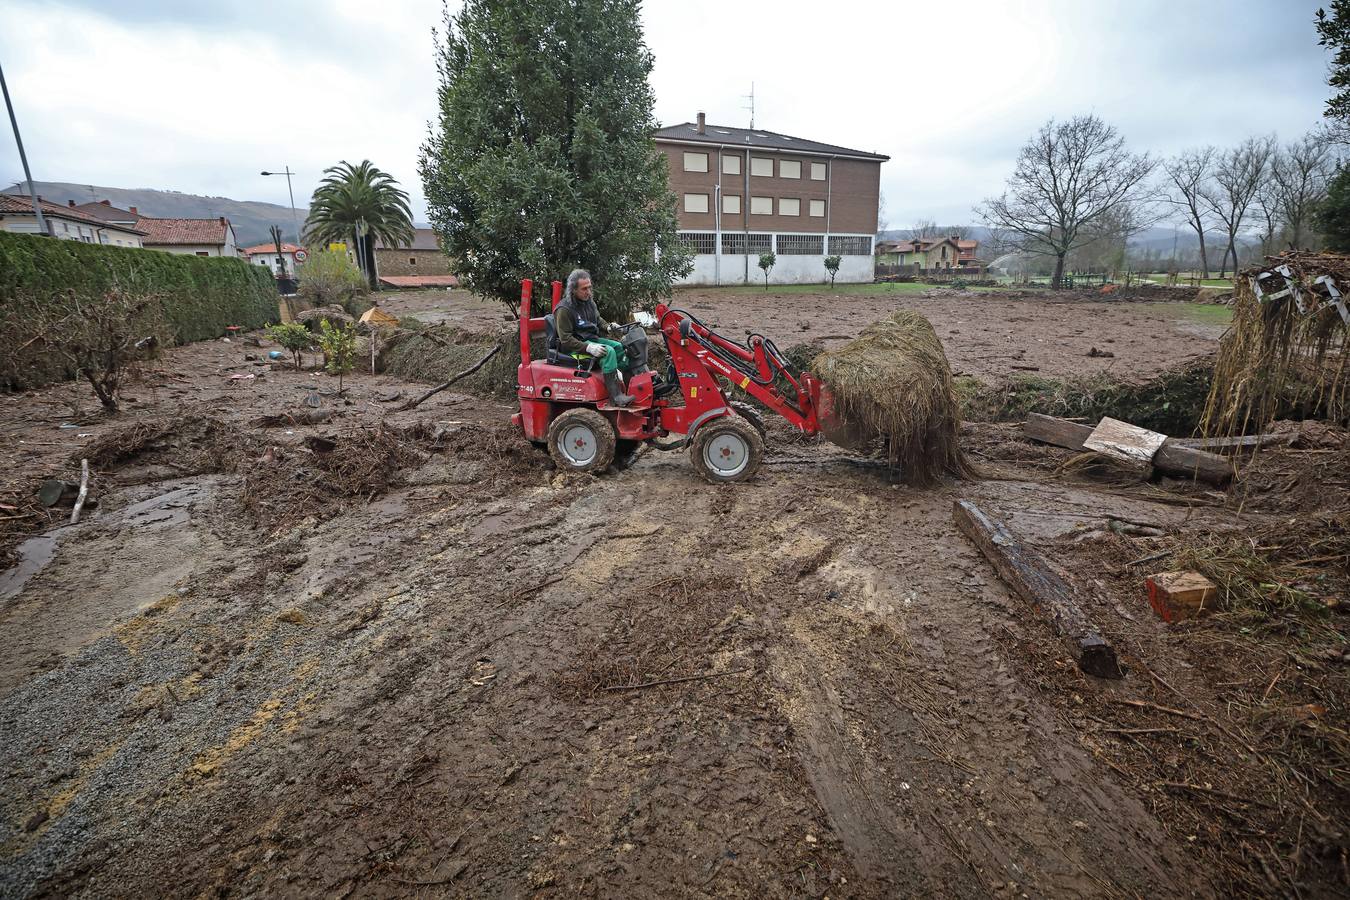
(426, 710)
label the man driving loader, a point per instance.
(579, 327)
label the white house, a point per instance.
(266, 255)
(65, 223)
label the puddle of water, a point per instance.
(34, 554)
(172, 508)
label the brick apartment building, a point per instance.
(741, 192)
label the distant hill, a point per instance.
(251, 218)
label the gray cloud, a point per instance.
(199, 97)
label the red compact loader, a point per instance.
(564, 404)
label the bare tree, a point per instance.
(881, 214)
(1238, 174)
(1268, 209)
(1300, 176)
(1187, 175)
(960, 232)
(922, 230)
(1069, 178)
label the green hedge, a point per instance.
(202, 295)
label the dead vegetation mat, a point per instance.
(1275, 354)
(893, 380)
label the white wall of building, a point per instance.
(189, 249)
(70, 229)
(789, 269)
(270, 260)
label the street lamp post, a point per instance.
(23, 157)
(294, 222)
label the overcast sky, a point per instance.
(199, 97)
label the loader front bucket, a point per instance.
(837, 430)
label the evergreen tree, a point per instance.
(542, 158)
(1333, 32)
(1333, 213)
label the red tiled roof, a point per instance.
(183, 231)
(21, 204)
(262, 249)
(103, 209)
(414, 281)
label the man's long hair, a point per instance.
(572, 279)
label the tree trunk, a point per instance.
(1204, 254)
(1058, 280)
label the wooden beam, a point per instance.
(1032, 578)
(1172, 458)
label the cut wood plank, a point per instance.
(1175, 596)
(1241, 442)
(1032, 578)
(1172, 458)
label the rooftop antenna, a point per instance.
(751, 97)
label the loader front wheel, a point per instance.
(581, 440)
(726, 450)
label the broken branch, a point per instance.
(445, 384)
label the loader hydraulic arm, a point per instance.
(755, 366)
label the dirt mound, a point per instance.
(435, 354)
(191, 443)
(334, 315)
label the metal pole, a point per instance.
(23, 157)
(294, 223)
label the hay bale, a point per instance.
(1274, 360)
(893, 382)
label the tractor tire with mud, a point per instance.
(751, 415)
(582, 440)
(727, 449)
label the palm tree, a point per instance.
(357, 204)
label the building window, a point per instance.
(731, 204)
(731, 165)
(202, 253)
(801, 244)
(818, 208)
(412, 260)
(817, 171)
(700, 241)
(739, 244)
(695, 203)
(789, 206)
(696, 162)
(847, 245)
(761, 206)
(762, 166)
(789, 168)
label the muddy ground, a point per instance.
(419, 661)
(988, 335)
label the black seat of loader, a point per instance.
(553, 353)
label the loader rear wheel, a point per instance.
(726, 450)
(581, 440)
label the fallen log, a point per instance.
(1172, 457)
(1032, 578)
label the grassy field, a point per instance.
(1208, 313)
(1161, 278)
(896, 287)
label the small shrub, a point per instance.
(767, 262)
(832, 264)
(339, 349)
(98, 337)
(329, 278)
(294, 337)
